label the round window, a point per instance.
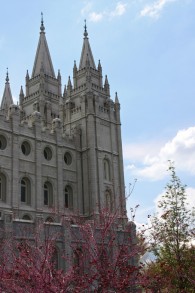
(25, 147)
(67, 158)
(47, 153)
(3, 142)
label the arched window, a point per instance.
(106, 170)
(49, 220)
(26, 217)
(68, 197)
(2, 187)
(108, 200)
(25, 191)
(48, 194)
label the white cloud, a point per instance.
(94, 16)
(181, 150)
(119, 10)
(136, 151)
(153, 10)
(86, 9)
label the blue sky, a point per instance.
(147, 49)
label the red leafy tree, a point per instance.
(104, 258)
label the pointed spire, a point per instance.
(7, 76)
(69, 86)
(106, 85)
(116, 98)
(75, 67)
(21, 91)
(21, 96)
(99, 66)
(106, 81)
(86, 51)
(65, 92)
(69, 82)
(43, 57)
(42, 28)
(7, 96)
(59, 75)
(27, 75)
(85, 29)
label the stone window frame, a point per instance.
(3, 187)
(68, 197)
(106, 169)
(47, 194)
(25, 190)
(47, 153)
(26, 217)
(26, 148)
(68, 158)
(3, 142)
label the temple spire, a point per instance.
(116, 98)
(43, 58)
(42, 28)
(7, 96)
(86, 51)
(7, 76)
(85, 30)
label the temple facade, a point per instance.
(60, 151)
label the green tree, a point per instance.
(171, 235)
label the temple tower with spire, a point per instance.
(61, 152)
(90, 109)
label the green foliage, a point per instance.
(172, 233)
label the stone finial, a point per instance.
(99, 66)
(85, 30)
(107, 86)
(27, 75)
(75, 66)
(7, 76)
(59, 75)
(116, 98)
(21, 91)
(42, 28)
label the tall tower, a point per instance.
(89, 109)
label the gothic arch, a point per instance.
(27, 217)
(106, 169)
(68, 197)
(25, 190)
(48, 194)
